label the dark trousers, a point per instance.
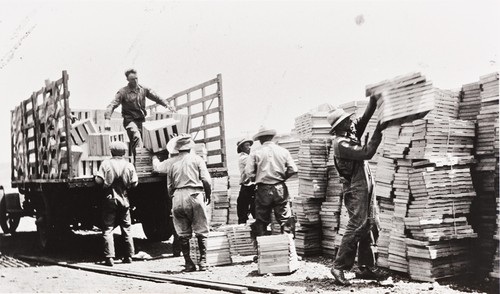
(269, 198)
(358, 236)
(246, 203)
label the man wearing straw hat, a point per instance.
(188, 183)
(116, 175)
(358, 191)
(269, 165)
(246, 197)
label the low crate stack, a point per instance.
(313, 156)
(404, 98)
(218, 249)
(485, 172)
(277, 254)
(143, 162)
(470, 101)
(234, 191)
(220, 201)
(240, 239)
(442, 191)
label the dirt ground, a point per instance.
(84, 248)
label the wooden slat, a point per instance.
(197, 101)
(206, 112)
(214, 152)
(192, 89)
(223, 126)
(204, 127)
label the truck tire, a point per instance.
(44, 223)
(157, 225)
(8, 221)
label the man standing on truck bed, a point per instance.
(188, 183)
(116, 175)
(269, 165)
(132, 98)
(358, 191)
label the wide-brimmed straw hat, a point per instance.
(179, 143)
(118, 148)
(241, 142)
(337, 116)
(263, 131)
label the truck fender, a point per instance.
(12, 200)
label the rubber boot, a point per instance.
(189, 265)
(202, 244)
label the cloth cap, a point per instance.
(337, 116)
(118, 148)
(179, 143)
(241, 142)
(263, 131)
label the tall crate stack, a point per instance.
(330, 209)
(470, 101)
(313, 157)
(485, 172)
(292, 145)
(277, 254)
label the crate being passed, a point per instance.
(99, 142)
(156, 134)
(80, 131)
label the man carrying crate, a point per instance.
(116, 176)
(132, 98)
(188, 183)
(358, 191)
(269, 166)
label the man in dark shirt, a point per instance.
(132, 98)
(358, 185)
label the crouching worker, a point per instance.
(116, 176)
(188, 182)
(358, 191)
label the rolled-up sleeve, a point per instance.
(114, 104)
(159, 166)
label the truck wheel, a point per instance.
(157, 227)
(8, 221)
(44, 224)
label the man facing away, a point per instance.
(132, 98)
(188, 183)
(358, 191)
(116, 176)
(246, 198)
(269, 165)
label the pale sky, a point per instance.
(277, 59)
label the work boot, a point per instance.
(176, 246)
(202, 244)
(189, 265)
(366, 273)
(109, 261)
(127, 259)
(339, 276)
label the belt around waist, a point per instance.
(194, 188)
(263, 184)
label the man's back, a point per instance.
(186, 170)
(269, 163)
(118, 173)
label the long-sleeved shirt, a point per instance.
(269, 164)
(183, 170)
(133, 102)
(242, 162)
(119, 174)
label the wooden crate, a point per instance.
(80, 131)
(76, 154)
(184, 121)
(88, 167)
(98, 143)
(156, 134)
(277, 254)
